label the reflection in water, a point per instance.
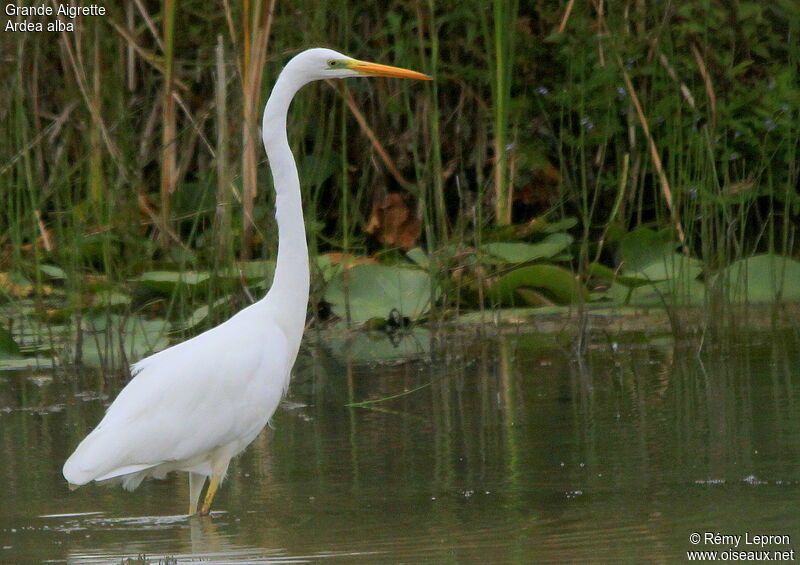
(513, 450)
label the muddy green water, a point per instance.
(517, 451)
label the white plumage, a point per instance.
(196, 405)
(231, 381)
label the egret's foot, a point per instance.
(196, 482)
(212, 490)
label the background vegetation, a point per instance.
(579, 153)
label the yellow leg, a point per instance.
(196, 482)
(212, 490)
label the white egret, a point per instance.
(196, 405)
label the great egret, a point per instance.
(196, 405)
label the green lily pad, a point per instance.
(605, 273)
(652, 272)
(643, 247)
(672, 266)
(561, 225)
(251, 271)
(518, 252)
(54, 272)
(378, 347)
(103, 336)
(327, 267)
(659, 293)
(375, 290)
(165, 282)
(110, 299)
(18, 363)
(8, 347)
(331, 264)
(202, 313)
(762, 278)
(418, 256)
(548, 281)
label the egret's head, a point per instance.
(319, 64)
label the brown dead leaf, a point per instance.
(19, 287)
(541, 188)
(393, 221)
(347, 259)
(736, 187)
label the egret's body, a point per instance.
(196, 405)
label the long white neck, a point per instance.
(290, 287)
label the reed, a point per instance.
(658, 115)
(503, 34)
(168, 120)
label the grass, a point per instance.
(129, 145)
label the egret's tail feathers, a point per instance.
(131, 476)
(76, 477)
(101, 460)
(123, 472)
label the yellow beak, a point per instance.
(374, 69)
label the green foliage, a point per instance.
(8, 347)
(517, 252)
(166, 282)
(106, 337)
(552, 118)
(373, 291)
(374, 347)
(536, 285)
(762, 278)
(652, 272)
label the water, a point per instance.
(514, 451)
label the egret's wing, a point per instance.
(187, 400)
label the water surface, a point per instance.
(515, 450)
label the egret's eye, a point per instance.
(332, 63)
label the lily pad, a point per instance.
(202, 313)
(378, 347)
(659, 293)
(18, 363)
(107, 299)
(251, 271)
(165, 282)
(518, 252)
(375, 290)
(672, 266)
(54, 272)
(418, 256)
(605, 273)
(762, 278)
(561, 225)
(643, 247)
(8, 347)
(547, 281)
(652, 272)
(331, 264)
(104, 334)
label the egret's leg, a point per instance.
(212, 490)
(196, 482)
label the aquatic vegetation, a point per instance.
(573, 157)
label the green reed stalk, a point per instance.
(222, 225)
(505, 14)
(435, 147)
(168, 120)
